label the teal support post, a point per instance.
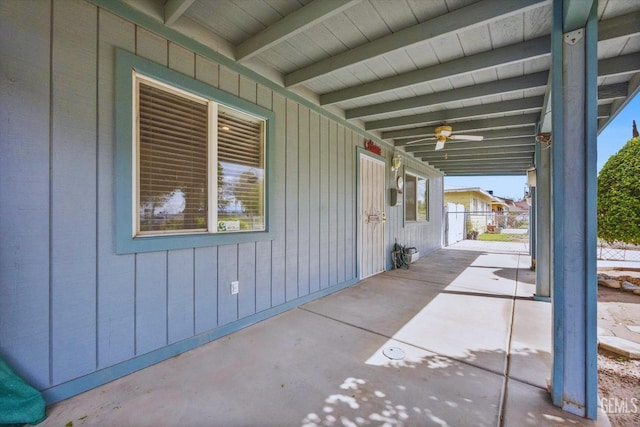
(543, 219)
(574, 124)
(532, 226)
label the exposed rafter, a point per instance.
(174, 9)
(620, 26)
(575, 14)
(531, 49)
(449, 23)
(473, 125)
(497, 172)
(485, 170)
(444, 157)
(292, 24)
(528, 50)
(614, 91)
(513, 106)
(520, 132)
(509, 146)
(625, 64)
(633, 88)
(495, 163)
(499, 87)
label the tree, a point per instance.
(619, 195)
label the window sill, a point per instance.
(183, 241)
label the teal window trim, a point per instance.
(415, 173)
(125, 241)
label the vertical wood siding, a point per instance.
(116, 273)
(68, 304)
(73, 190)
(24, 191)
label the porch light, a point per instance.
(396, 162)
(531, 177)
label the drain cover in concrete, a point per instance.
(393, 353)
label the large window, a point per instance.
(416, 199)
(191, 161)
(184, 144)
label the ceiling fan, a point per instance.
(443, 132)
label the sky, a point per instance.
(610, 140)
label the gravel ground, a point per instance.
(619, 385)
(618, 377)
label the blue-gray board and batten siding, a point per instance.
(73, 313)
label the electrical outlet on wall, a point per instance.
(235, 287)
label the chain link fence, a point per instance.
(618, 251)
(460, 224)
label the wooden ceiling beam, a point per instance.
(174, 9)
(536, 48)
(466, 113)
(298, 21)
(499, 87)
(519, 120)
(470, 16)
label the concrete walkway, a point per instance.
(473, 348)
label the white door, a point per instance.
(371, 216)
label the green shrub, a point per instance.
(619, 196)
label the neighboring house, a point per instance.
(478, 204)
(119, 251)
(501, 204)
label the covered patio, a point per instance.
(88, 295)
(476, 347)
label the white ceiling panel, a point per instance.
(611, 8)
(632, 45)
(400, 61)
(510, 70)
(485, 75)
(262, 11)
(475, 40)
(396, 14)
(342, 27)
(538, 64)
(441, 85)
(425, 10)
(537, 22)
(422, 54)
(447, 48)
(507, 30)
(367, 20)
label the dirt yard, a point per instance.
(618, 377)
(619, 385)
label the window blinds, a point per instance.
(172, 160)
(241, 168)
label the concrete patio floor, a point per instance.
(476, 345)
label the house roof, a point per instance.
(400, 68)
(453, 189)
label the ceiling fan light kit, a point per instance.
(444, 132)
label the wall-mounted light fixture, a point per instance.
(396, 162)
(531, 177)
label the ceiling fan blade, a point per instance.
(467, 137)
(440, 144)
(420, 140)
